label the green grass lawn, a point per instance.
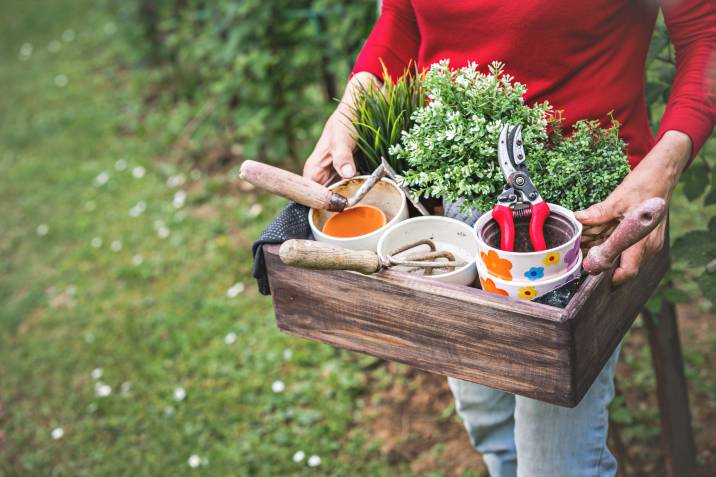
(129, 320)
(133, 340)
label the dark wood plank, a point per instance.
(677, 438)
(601, 315)
(456, 331)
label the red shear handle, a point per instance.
(503, 217)
(540, 212)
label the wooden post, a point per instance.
(677, 438)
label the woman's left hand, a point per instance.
(655, 176)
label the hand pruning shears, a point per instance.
(520, 197)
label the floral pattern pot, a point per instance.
(562, 233)
(526, 289)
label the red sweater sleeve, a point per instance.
(692, 104)
(395, 40)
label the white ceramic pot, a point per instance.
(561, 227)
(385, 195)
(448, 234)
(526, 289)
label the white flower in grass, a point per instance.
(101, 179)
(235, 290)
(120, 164)
(68, 35)
(25, 51)
(96, 242)
(125, 388)
(255, 210)
(42, 230)
(163, 232)
(176, 181)
(138, 209)
(138, 172)
(230, 338)
(179, 199)
(102, 390)
(57, 433)
(61, 81)
(169, 411)
(54, 46)
(179, 393)
(299, 456)
(116, 245)
(314, 461)
(278, 386)
(194, 461)
(97, 373)
(137, 260)
(287, 354)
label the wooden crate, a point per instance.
(526, 348)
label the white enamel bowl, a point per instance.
(385, 195)
(448, 234)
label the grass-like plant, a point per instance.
(382, 114)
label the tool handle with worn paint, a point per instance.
(320, 256)
(635, 225)
(292, 186)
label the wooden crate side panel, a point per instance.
(439, 329)
(604, 313)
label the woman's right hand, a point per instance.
(334, 150)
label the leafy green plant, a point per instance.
(452, 147)
(583, 168)
(381, 115)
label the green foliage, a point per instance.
(452, 147)
(382, 115)
(267, 72)
(583, 168)
(694, 250)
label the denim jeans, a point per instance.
(518, 436)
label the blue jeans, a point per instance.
(518, 436)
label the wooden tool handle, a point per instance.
(636, 225)
(292, 186)
(319, 256)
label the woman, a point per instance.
(588, 59)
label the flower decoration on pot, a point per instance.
(527, 293)
(572, 256)
(535, 273)
(490, 287)
(497, 266)
(551, 258)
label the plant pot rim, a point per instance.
(554, 208)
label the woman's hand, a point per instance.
(334, 150)
(655, 176)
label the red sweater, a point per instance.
(585, 58)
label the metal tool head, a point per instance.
(520, 191)
(511, 151)
(426, 261)
(390, 172)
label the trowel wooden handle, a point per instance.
(292, 186)
(635, 225)
(319, 256)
